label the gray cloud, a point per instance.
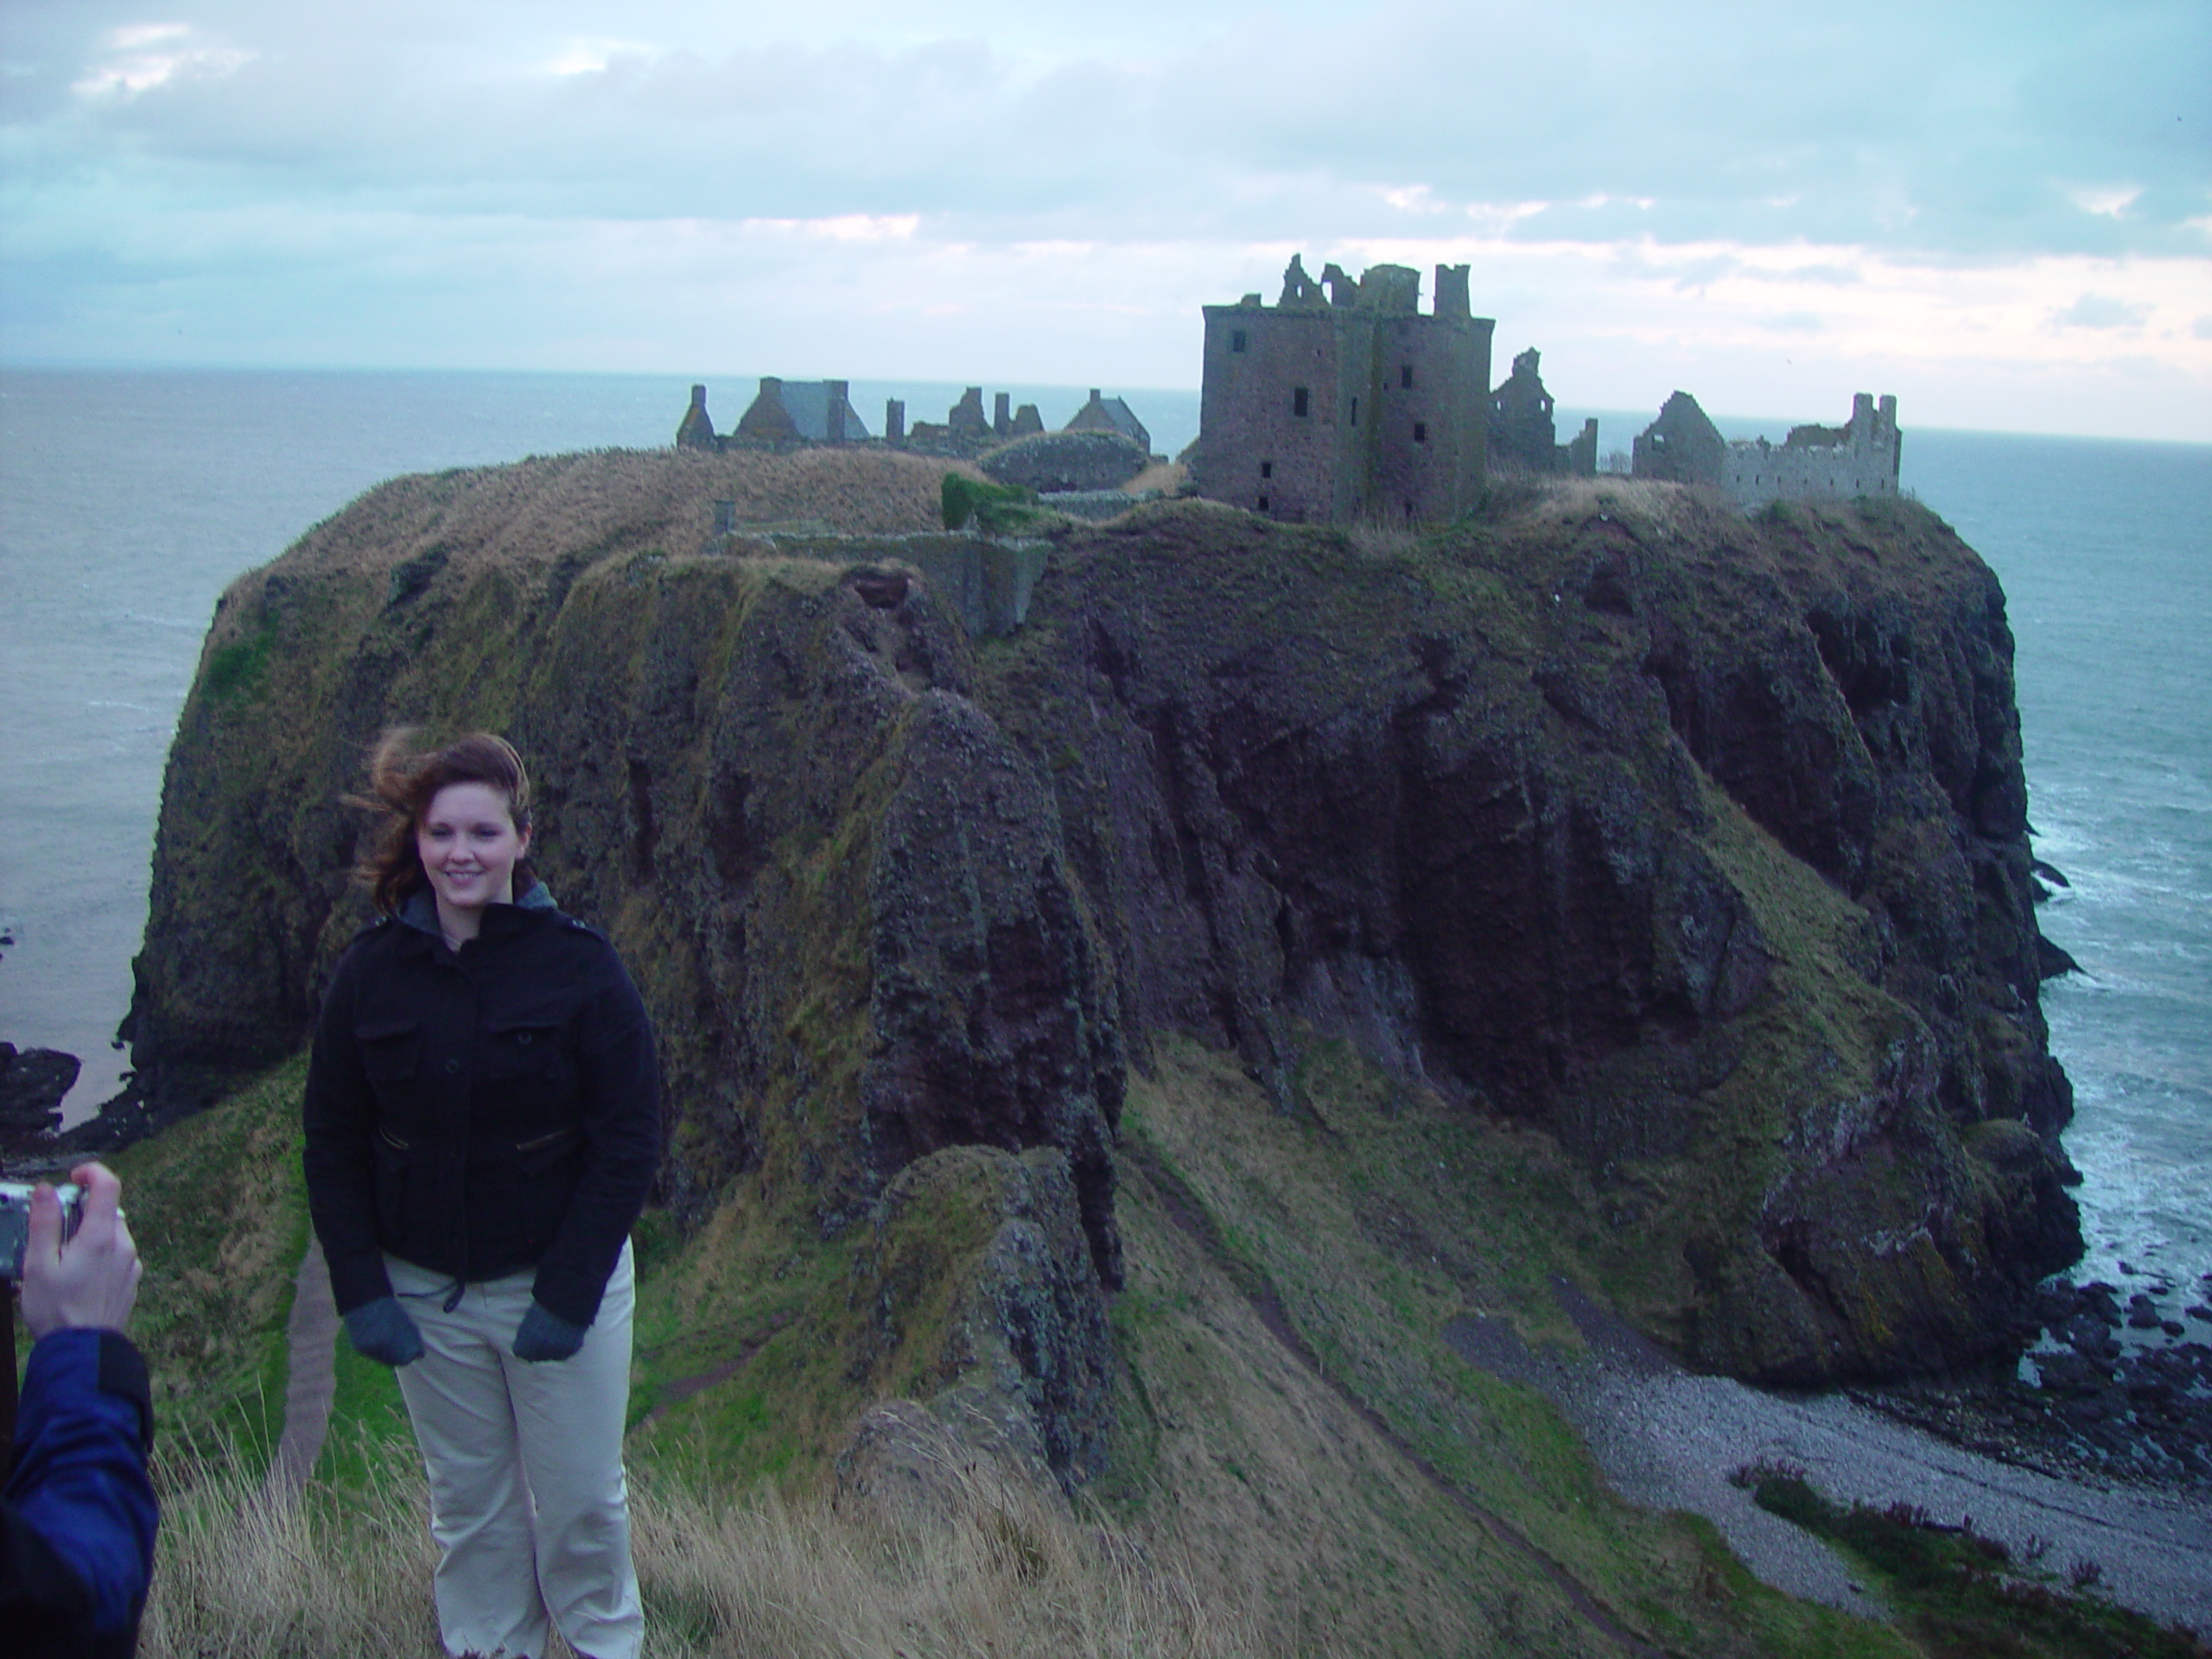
(2101, 311)
(1957, 129)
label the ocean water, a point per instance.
(128, 500)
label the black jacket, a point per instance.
(478, 1112)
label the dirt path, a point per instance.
(311, 1346)
(1666, 1438)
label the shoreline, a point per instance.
(1668, 1437)
(2102, 1390)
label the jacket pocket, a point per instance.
(390, 1050)
(521, 1048)
(539, 1153)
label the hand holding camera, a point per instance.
(87, 1279)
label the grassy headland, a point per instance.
(1132, 1042)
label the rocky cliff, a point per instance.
(1696, 844)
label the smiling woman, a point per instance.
(482, 1124)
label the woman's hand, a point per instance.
(542, 1335)
(382, 1331)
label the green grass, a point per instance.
(1373, 1215)
(1963, 1596)
(236, 670)
(219, 1211)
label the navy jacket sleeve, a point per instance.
(80, 1495)
(339, 1118)
(621, 1107)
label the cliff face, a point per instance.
(1698, 844)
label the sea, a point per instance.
(129, 499)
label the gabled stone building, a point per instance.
(783, 412)
(1523, 436)
(1109, 414)
(801, 411)
(1344, 400)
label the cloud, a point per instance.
(845, 227)
(1683, 126)
(594, 57)
(2111, 200)
(137, 57)
(2101, 311)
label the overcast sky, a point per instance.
(2001, 212)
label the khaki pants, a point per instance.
(527, 1500)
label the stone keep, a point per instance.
(1345, 401)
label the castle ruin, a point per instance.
(1522, 436)
(1813, 463)
(1344, 401)
(783, 413)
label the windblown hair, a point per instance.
(403, 780)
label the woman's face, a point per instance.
(468, 843)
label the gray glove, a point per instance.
(381, 1331)
(546, 1336)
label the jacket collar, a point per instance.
(419, 911)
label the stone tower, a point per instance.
(1344, 401)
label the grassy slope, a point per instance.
(220, 1214)
(1373, 1218)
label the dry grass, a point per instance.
(547, 509)
(1165, 476)
(341, 1575)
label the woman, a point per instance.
(482, 1126)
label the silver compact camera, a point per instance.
(16, 1221)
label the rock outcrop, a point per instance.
(1697, 842)
(33, 1083)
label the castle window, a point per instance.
(1236, 339)
(1405, 374)
(1300, 401)
(1263, 503)
(1355, 412)
(1420, 432)
(1267, 469)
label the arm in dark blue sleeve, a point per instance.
(340, 1117)
(620, 1101)
(79, 1486)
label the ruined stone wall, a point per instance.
(1819, 462)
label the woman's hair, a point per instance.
(403, 781)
